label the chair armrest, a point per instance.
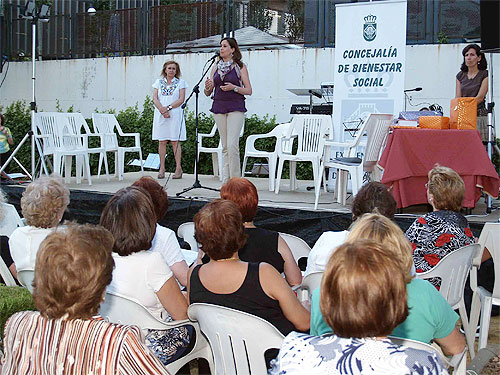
(136, 136)
(455, 360)
(41, 136)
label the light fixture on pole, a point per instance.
(34, 14)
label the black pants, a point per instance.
(3, 159)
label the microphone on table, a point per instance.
(315, 94)
(415, 89)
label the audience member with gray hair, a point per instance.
(43, 204)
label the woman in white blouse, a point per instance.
(143, 275)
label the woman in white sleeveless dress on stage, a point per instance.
(168, 122)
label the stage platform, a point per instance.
(289, 211)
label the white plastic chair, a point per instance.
(58, 139)
(186, 232)
(299, 247)
(376, 128)
(453, 270)
(310, 283)
(217, 157)
(311, 131)
(238, 340)
(26, 277)
(458, 361)
(105, 125)
(272, 156)
(123, 310)
(78, 126)
(11, 220)
(482, 299)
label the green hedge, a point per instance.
(133, 119)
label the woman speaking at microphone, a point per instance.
(229, 83)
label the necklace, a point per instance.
(232, 258)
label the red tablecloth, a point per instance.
(411, 153)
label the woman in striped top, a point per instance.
(73, 267)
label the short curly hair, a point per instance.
(374, 197)
(219, 229)
(158, 195)
(129, 215)
(44, 201)
(72, 270)
(363, 292)
(242, 192)
(447, 188)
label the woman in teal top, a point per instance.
(430, 316)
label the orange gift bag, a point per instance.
(463, 113)
(434, 122)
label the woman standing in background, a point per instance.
(472, 81)
(168, 122)
(229, 83)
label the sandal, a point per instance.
(161, 175)
(177, 176)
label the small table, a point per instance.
(411, 153)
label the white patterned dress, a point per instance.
(174, 127)
(330, 354)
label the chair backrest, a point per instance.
(377, 130)
(73, 123)
(47, 124)
(311, 130)
(453, 270)
(457, 361)
(120, 309)
(238, 340)
(186, 232)
(299, 247)
(26, 277)
(105, 123)
(490, 238)
(312, 281)
(11, 220)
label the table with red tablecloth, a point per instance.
(411, 153)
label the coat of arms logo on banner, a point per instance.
(370, 28)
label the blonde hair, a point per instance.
(383, 230)
(44, 200)
(447, 188)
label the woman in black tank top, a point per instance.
(255, 288)
(261, 245)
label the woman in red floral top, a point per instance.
(444, 230)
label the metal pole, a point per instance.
(33, 98)
(490, 105)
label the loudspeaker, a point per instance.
(490, 30)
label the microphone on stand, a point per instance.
(415, 89)
(217, 54)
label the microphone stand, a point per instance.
(196, 90)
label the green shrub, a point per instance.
(135, 120)
(12, 300)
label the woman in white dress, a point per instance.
(168, 122)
